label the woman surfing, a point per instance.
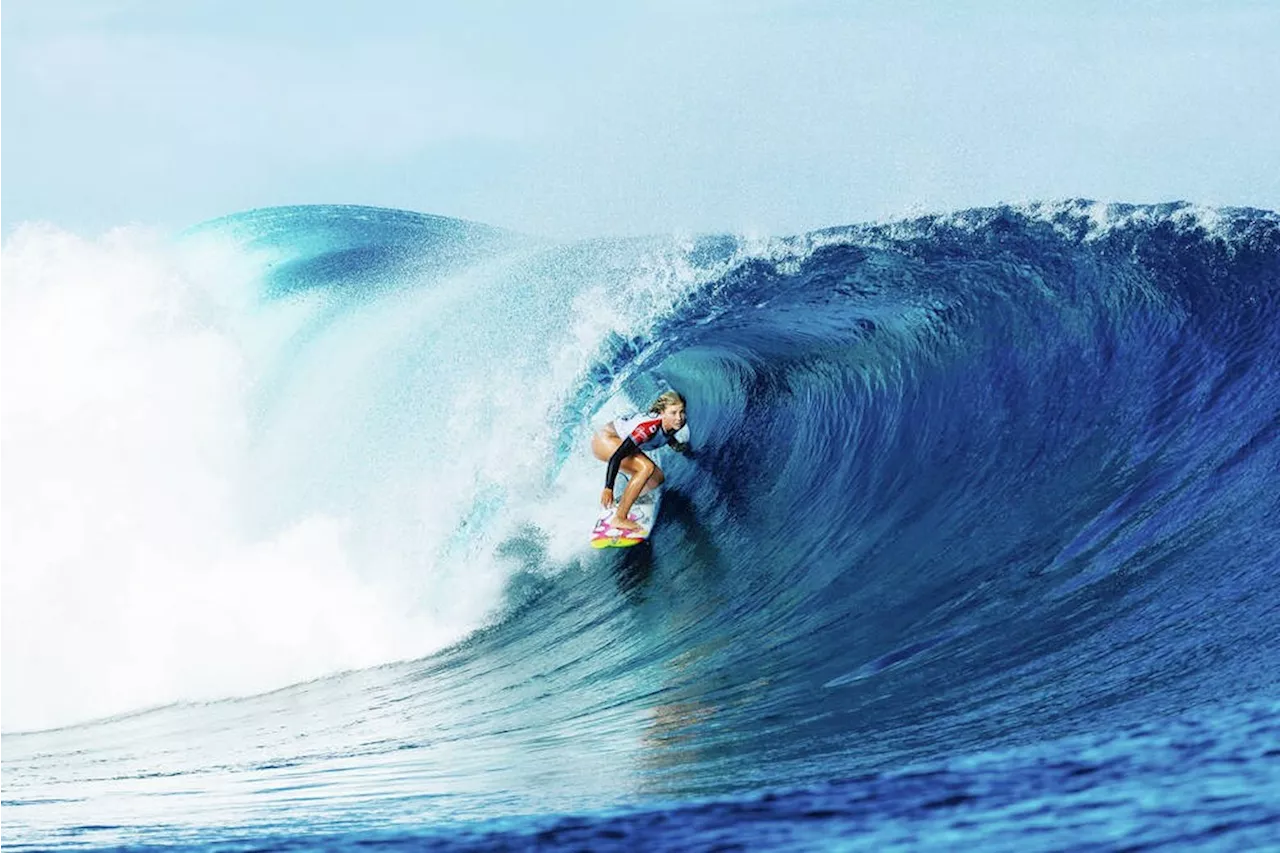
(623, 442)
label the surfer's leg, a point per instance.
(603, 447)
(638, 468)
(641, 469)
(655, 480)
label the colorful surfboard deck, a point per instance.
(644, 511)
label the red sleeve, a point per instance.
(645, 430)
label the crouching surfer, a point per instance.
(623, 442)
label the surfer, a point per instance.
(622, 443)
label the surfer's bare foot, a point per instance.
(624, 524)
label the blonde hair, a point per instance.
(666, 398)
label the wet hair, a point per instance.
(666, 398)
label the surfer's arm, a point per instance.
(681, 447)
(624, 450)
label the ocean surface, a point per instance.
(978, 544)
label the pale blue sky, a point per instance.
(587, 118)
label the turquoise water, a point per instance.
(977, 545)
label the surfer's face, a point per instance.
(673, 417)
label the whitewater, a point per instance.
(978, 542)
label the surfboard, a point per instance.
(644, 511)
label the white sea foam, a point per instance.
(135, 570)
(210, 494)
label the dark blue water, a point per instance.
(978, 546)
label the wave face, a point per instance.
(991, 493)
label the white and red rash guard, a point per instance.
(645, 430)
(638, 433)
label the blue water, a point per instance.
(978, 546)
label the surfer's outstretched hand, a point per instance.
(606, 498)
